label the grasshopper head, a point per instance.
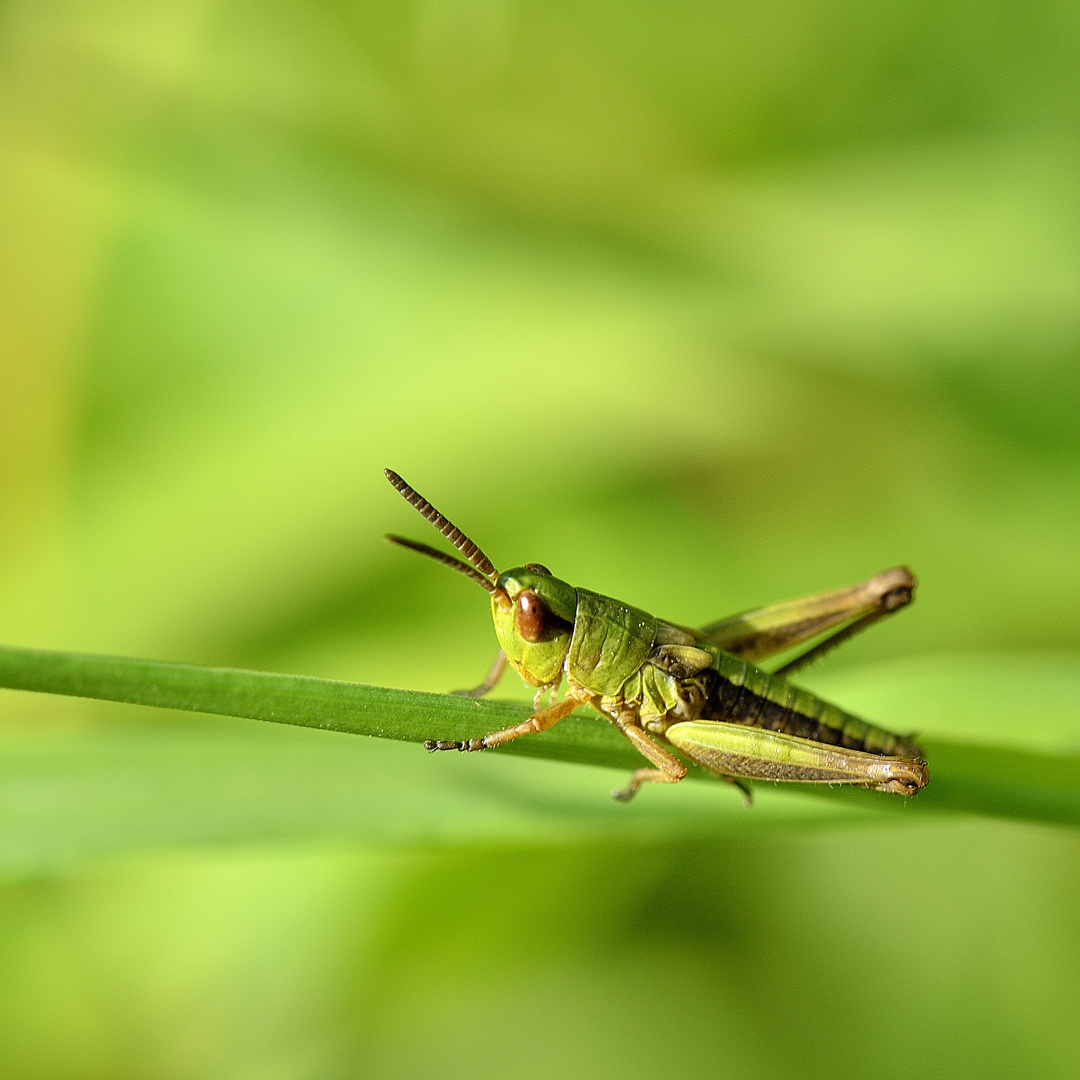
(533, 611)
(535, 628)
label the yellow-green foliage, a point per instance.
(701, 305)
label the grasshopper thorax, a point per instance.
(535, 628)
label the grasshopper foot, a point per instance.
(431, 745)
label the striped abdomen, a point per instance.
(744, 694)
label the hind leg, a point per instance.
(768, 631)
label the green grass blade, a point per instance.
(1003, 782)
(972, 778)
(353, 708)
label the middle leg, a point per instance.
(668, 769)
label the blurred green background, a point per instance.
(702, 305)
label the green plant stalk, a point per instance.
(977, 779)
(353, 708)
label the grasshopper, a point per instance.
(669, 688)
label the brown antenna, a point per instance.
(445, 526)
(446, 560)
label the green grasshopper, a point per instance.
(695, 690)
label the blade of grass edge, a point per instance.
(970, 778)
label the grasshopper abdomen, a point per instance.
(744, 694)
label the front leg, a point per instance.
(493, 676)
(539, 721)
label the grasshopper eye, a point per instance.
(531, 617)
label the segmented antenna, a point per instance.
(444, 525)
(446, 560)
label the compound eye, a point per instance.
(531, 616)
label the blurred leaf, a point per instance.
(119, 788)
